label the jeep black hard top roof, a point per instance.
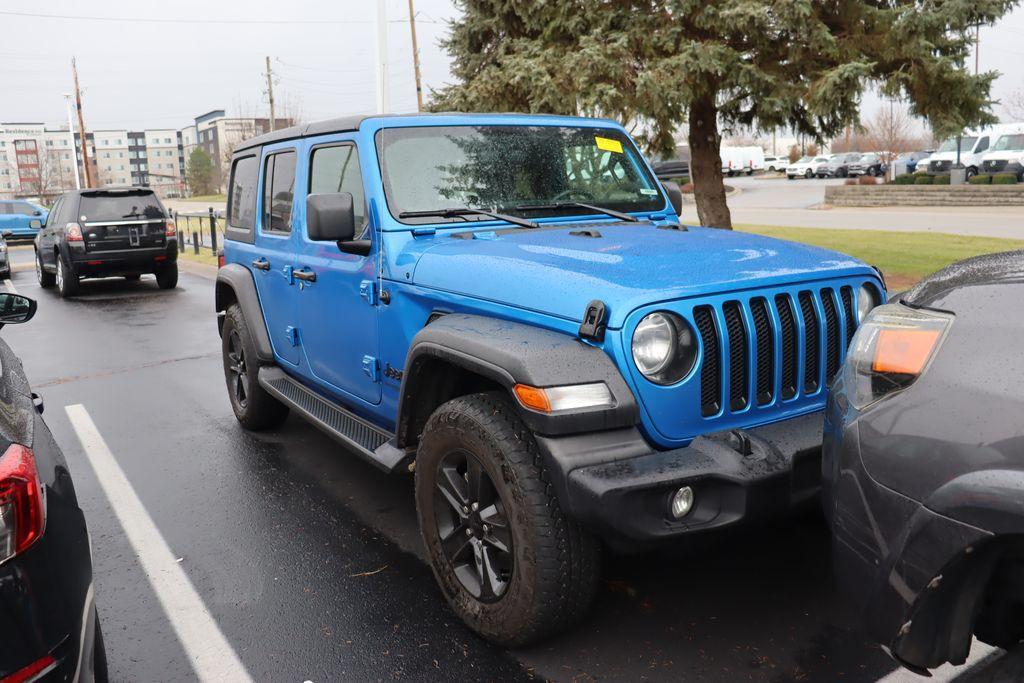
(347, 124)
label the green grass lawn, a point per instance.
(205, 255)
(206, 198)
(904, 257)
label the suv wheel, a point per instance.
(67, 279)
(254, 408)
(508, 560)
(167, 277)
(45, 279)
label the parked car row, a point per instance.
(995, 149)
(837, 166)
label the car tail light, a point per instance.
(22, 502)
(73, 232)
(221, 261)
(33, 672)
(170, 230)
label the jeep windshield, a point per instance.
(532, 171)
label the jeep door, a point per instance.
(273, 253)
(337, 307)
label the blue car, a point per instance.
(22, 218)
(508, 306)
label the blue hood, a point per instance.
(628, 266)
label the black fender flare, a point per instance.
(235, 283)
(509, 353)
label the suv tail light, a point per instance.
(221, 261)
(22, 502)
(73, 232)
(170, 230)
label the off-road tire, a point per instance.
(259, 410)
(167, 277)
(67, 279)
(45, 279)
(556, 562)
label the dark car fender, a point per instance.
(506, 353)
(235, 284)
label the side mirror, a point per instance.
(675, 196)
(35, 224)
(15, 308)
(37, 212)
(330, 217)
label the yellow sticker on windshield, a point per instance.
(608, 145)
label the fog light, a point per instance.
(682, 502)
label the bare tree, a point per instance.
(1014, 105)
(889, 132)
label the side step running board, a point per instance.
(373, 444)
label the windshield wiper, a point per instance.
(457, 213)
(578, 205)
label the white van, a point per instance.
(974, 143)
(1007, 153)
(737, 160)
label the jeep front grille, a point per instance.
(765, 339)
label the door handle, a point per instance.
(305, 275)
(261, 264)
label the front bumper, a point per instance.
(616, 485)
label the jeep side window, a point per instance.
(242, 198)
(278, 191)
(336, 169)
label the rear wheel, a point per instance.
(510, 563)
(808, 174)
(67, 279)
(167, 277)
(45, 279)
(254, 408)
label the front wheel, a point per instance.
(254, 408)
(971, 172)
(167, 277)
(45, 279)
(808, 175)
(67, 279)
(510, 563)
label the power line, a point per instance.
(170, 20)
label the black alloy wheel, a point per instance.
(473, 526)
(238, 381)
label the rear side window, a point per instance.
(336, 169)
(23, 208)
(242, 198)
(120, 206)
(278, 191)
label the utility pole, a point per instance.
(270, 93)
(415, 58)
(81, 126)
(382, 58)
(71, 134)
(977, 46)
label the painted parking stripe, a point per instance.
(10, 286)
(212, 657)
(980, 652)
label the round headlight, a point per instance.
(867, 298)
(664, 348)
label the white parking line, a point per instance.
(211, 655)
(10, 286)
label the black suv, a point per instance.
(106, 232)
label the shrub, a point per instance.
(980, 179)
(867, 180)
(850, 181)
(940, 180)
(905, 179)
(923, 180)
(1004, 179)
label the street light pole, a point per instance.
(71, 134)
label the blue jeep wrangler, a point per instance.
(508, 306)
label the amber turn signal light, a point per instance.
(532, 397)
(905, 351)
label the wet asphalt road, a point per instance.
(309, 560)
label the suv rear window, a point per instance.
(120, 206)
(242, 198)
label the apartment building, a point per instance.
(39, 161)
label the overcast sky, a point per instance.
(159, 64)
